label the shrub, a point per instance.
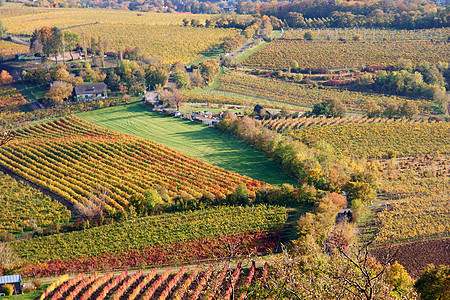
(8, 289)
(37, 284)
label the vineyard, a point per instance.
(380, 139)
(20, 19)
(346, 54)
(179, 237)
(79, 161)
(373, 34)
(10, 98)
(23, 207)
(287, 124)
(156, 35)
(292, 93)
(199, 283)
(423, 210)
(9, 48)
(170, 43)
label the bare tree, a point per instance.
(6, 137)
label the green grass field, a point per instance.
(193, 139)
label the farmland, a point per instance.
(287, 124)
(25, 207)
(9, 48)
(195, 140)
(76, 160)
(380, 139)
(10, 98)
(296, 94)
(222, 283)
(372, 34)
(346, 54)
(150, 236)
(169, 40)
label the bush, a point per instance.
(37, 284)
(6, 236)
(8, 289)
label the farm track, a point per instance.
(43, 190)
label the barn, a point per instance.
(15, 280)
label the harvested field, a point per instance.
(416, 256)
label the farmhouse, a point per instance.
(89, 91)
(14, 280)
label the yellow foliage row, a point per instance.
(9, 48)
(337, 54)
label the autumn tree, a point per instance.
(434, 283)
(173, 99)
(70, 41)
(156, 76)
(209, 69)
(59, 91)
(181, 79)
(46, 41)
(5, 77)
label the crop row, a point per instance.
(287, 124)
(380, 139)
(373, 34)
(199, 284)
(296, 94)
(217, 247)
(152, 231)
(415, 216)
(10, 97)
(9, 48)
(23, 206)
(338, 54)
(73, 158)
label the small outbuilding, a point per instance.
(14, 280)
(91, 91)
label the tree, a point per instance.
(308, 36)
(155, 76)
(112, 80)
(209, 69)
(409, 109)
(399, 278)
(434, 283)
(331, 108)
(71, 39)
(47, 41)
(60, 73)
(9, 261)
(3, 29)
(372, 109)
(196, 78)
(59, 91)
(181, 79)
(6, 137)
(5, 77)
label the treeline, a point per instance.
(408, 14)
(316, 166)
(412, 14)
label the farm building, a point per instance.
(14, 280)
(90, 91)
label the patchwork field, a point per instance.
(193, 139)
(156, 35)
(92, 167)
(169, 238)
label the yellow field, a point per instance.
(9, 48)
(156, 34)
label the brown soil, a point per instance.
(415, 256)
